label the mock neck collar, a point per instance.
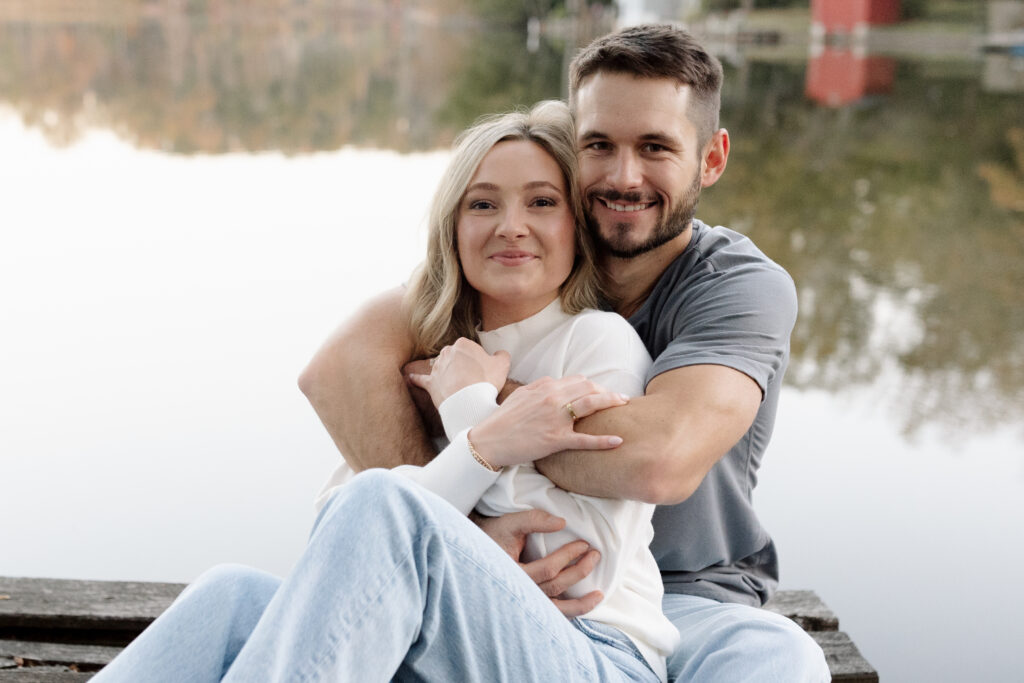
(519, 337)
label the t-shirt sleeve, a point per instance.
(741, 318)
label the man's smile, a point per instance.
(625, 207)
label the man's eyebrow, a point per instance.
(663, 139)
(657, 137)
(593, 135)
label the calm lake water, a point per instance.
(188, 207)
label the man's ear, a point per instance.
(715, 157)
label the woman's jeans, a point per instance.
(394, 584)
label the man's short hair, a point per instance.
(657, 51)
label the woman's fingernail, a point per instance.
(624, 398)
(615, 440)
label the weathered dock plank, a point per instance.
(61, 630)
(805, 608)
(43, 674)
(31, 654)
(66, 610)
(844, 659)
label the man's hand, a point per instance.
(555, 573)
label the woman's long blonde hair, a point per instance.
(441, 303)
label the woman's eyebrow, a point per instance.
(534, 184)
(487, 187)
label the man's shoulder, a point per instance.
(724, 249)
(717, 258)
(722, 280)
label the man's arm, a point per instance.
(672, 436)
(355, 384)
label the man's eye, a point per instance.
(597, 146)
(653, 147)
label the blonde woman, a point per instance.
(397, 583)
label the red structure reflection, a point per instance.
(836, 77)
(848, 16)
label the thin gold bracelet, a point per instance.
(479, 458)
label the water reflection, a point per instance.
(894, 193)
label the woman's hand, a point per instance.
(537, 420)
(457, 366)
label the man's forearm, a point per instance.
(689, 418)
(617, 473)
(355, 385)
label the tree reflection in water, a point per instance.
(899, 217)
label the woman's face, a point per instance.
(515, 232)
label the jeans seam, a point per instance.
(528, 613)
(335, 638)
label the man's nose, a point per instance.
(513, 223)
(626, 173)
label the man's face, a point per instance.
(640, 165)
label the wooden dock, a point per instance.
(63, 631)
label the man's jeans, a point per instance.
(729, 642)
(395, 584)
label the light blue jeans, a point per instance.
(729, 642)
(396, 585)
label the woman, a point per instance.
(392, 569)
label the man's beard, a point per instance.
(668, 227)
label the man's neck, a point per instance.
(632, 279)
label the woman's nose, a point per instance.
(512, 224)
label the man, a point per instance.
(715, 314)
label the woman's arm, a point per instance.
(532, 423)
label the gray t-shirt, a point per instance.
(721, 302)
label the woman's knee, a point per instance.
(232, 585)
(371, 490)
(373, 501)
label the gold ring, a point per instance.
(572, 413)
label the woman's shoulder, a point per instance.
(601, 343)
(590, 321)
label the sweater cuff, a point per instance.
(455, 475)
(467, 408)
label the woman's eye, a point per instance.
(544, 202)
(480, 205)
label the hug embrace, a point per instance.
(605, 371)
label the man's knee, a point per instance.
(745, 643)
(803, 655)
